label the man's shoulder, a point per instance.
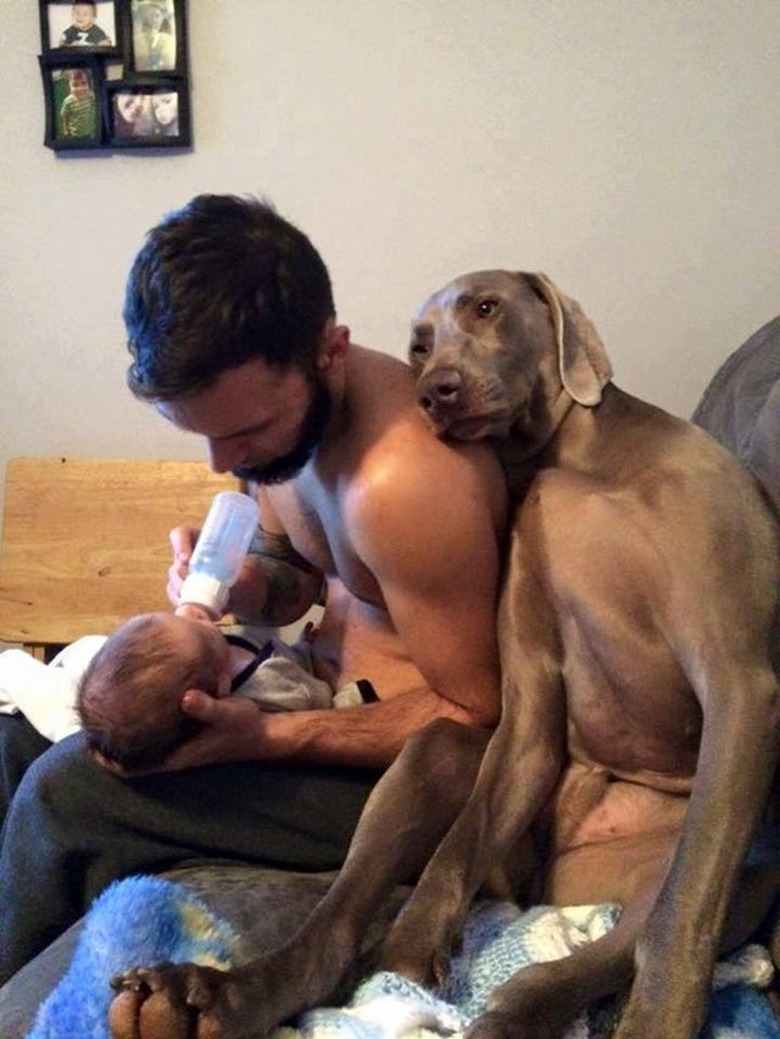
(412, 471)
(392, 433)
(371, 359)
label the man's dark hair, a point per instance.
(220, 282)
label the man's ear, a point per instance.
(334, 345)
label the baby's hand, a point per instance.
(194, 611)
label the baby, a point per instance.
(84, 30)
(128, 699)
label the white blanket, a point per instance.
(500, 939)
(46, 693)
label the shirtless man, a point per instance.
(234, 338)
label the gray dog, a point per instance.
(638, 697)
(639, 732)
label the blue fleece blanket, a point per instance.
(148, 919)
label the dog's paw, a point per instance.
(420, 960)
(547, 1023)
(523, 1015)
(495, 1025)
(642, 1023)
(180, 1001)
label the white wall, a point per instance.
(630, 150)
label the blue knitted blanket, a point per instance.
(148, 919)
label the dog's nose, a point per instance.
(439, 388)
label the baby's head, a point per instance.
(129, 698)
(84, 15)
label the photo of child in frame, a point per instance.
(82, 25)
(77, 113)
(131, 88)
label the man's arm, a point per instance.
(276, 585)
(371, 736)
(431, 532)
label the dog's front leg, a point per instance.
(515, 780)
(510, 792)
(518, 773)
(405, 817)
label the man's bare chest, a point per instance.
(317, 523)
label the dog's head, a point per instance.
(495, 350)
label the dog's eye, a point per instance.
(420, 344)
(486, 307)
(419, 352)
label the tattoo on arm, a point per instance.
(288, 575)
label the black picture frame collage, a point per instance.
(115, 74)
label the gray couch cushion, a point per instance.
(264, 906)
(741, 405)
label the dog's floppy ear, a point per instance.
(582, 360)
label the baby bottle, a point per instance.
(220, 550)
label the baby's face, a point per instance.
(131, 106)
(83, 16)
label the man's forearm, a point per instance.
(290, 593)
(278, 585)
(361, 737)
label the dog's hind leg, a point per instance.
(543, 999)
(404, 820)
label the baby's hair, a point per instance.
(129, 697)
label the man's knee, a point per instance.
(20, 745)
(56, 781)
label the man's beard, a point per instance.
(281, 469)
